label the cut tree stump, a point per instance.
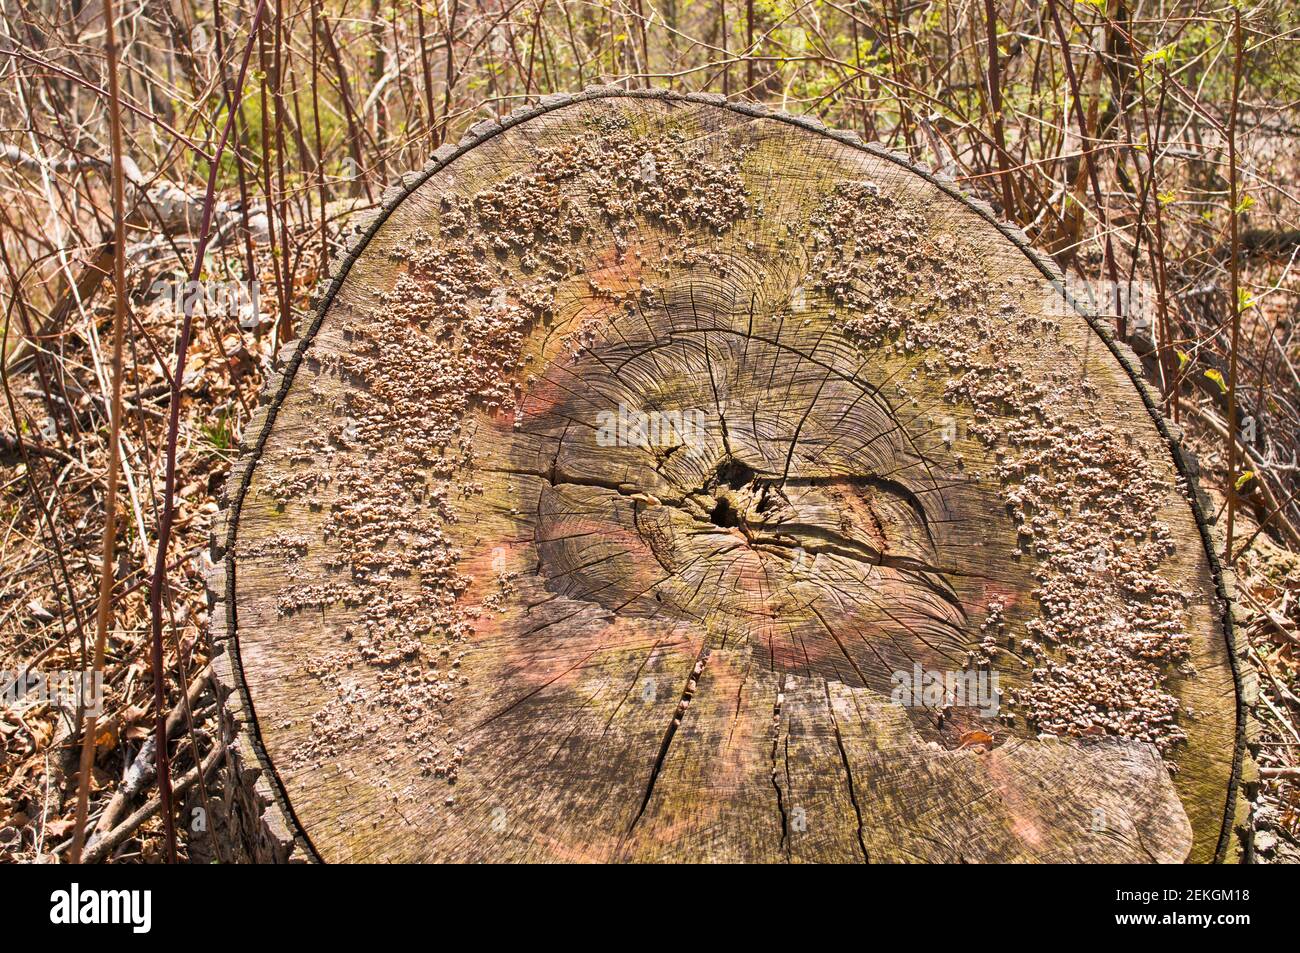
(664, 480)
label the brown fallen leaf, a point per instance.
(39, 612)
(106, 738)
(58, 827)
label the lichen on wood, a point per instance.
(1085, 495)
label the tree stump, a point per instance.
(664, 480)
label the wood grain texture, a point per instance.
(640, 451)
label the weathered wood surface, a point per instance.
(473, 613)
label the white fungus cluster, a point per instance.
(1110, 627)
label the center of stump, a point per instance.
(710, 476)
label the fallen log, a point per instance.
(660, 479)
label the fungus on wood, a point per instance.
(664, 480)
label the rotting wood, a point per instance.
(636, 450)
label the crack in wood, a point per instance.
(679, 713)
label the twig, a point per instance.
(159, 577)
(1234, 270)
(114, 839)
(115, 425)
(142, 770)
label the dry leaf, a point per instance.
(58, 828)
